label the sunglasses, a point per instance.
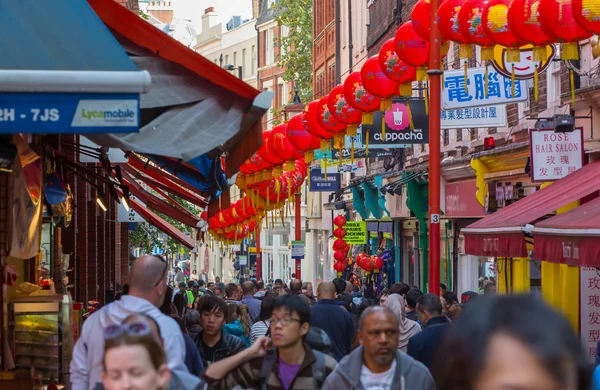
(134, 329)
(162, 275)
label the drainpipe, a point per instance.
(338, 21)
(350, 45)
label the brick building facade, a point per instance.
(324, 47)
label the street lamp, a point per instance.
(230, 67)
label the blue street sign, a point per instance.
(319, 184)
(69, 113)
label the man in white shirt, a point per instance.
(147, 288)
(378, 364)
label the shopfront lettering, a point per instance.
(555, 155)
(570, 251)
(490, 245)
(594, 300)
(590, 309)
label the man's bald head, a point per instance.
(326, 290)
(145, 272)
(248, 288)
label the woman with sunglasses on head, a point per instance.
(133, 359)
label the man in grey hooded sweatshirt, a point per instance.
(377, 363)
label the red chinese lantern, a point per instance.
(357, 96)
(264, 154)
(339, 266)
(339, 244)
(326, 120)
(378, 263)
(279, 145)
(412, 49)
(377, 83)
(495, 25)
(587, 14)
(449, 27)
(396, 69)
(471, 27)
(524, 23)
(339, 255)
(311, 124)
(301, 139)
(339, 221)
(342, 111)
(367, 265)
(339, 233)
(558, 22)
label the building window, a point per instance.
(446, 137)
(269, 47)
(285, 93)
(253, 60)
(235, 58)
(474, 134)
(553, 80)
(226, 59)
(244, 68)
(459, 134)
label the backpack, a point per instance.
(318, 369)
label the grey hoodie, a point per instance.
(410, 374)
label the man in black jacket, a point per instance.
(334, 320)
(424, 344)
(213, 344)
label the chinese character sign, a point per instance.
(555, 155)
(590, 310)
(499, 89)
(474, 117)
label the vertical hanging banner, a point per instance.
(589, 320)
(555, 155)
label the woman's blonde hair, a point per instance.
(148, 342)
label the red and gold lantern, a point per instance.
(558, 22)
(377, 83)
(496, 27)
(524, 23)
(396, 69)
(587, 14)
(470, 19)
(342, 111)
(357, 96)
(412, 49)
(449, 26)
(301, 139)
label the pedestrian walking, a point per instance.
(260, 290)
(212, 342)
(191, 320)
(253, 304)
(412, 296)
(511, 342)
(193, 361)
(450, 305)
(408, 328)
(194, 276)
(147, 291)
(237, 322)
(179, 276)
(423, 345)
(334, 320)
(378, 364)
(291, 365)
(261, 326)
(232, 293)
(307, 290)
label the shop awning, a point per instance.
(162, 225)
(570, 238)
(502, 234)
(194, 108)
(395, 187)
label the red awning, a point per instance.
(570, 238)
(161, 224)
(502, 234)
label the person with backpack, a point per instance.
(284, 361)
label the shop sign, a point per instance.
(525, 68)
(474, 117)
(297, 250)
(243, 260)
(398, 132)
(280, 229)
(130, 216)
(589, 310)
(318, 182)
(69, 113)
(499, 89)
(555, 155)
(359, 150)
(461, 200)
(347, 166)
(356, 232)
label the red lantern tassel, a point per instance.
(352, 151)
(486, 80)
(536, 77)
(367, 118)
(572, 82)
(465, 66)
(383, 126)
(367, 144)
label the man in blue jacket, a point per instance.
(334, 320)
(423, 345)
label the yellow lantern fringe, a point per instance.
(570, 51)
(278, 190)
(277, 171)
(309, 156)
(268, 197)
(512, 80)
(465, 67)
(487, 53)
(325, 164)
(466, 51)
(289, 166)
(572, 82)
(536, 78)
(367, 144)
(383, 126)
(513, 54)
(324, 143)
(406, 89)
(352, 151)
(385, 104)
(486, 80)
(352, 130)
(367, 118)
(540, 54)
(281, 211)
(338, 141)
(426, 99)
(421, 73)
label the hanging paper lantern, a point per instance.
(412, 49)
(357, 96)
(558, 22)
(311, 124)
(342, 111)
(524, 23)
(495, 26)
(367, 265)
(447, 16)
(378, 263)
(264, 154)
(587, 14)
(339, 233)
(339, 266)
(396, 69)
(279, 145)
(339, 256)
(470, 19)
(301, 139)
(377, 83)
(339, 221)
(326, 119)
(339, 244)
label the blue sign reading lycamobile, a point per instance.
(69, 113)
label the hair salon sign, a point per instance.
(555, 155)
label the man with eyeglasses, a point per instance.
(291, 364)
(147, 289)
(378, 364)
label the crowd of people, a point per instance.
(195, 335)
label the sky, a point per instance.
(194, 9)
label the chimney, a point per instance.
(209, 19)
(255, 9)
